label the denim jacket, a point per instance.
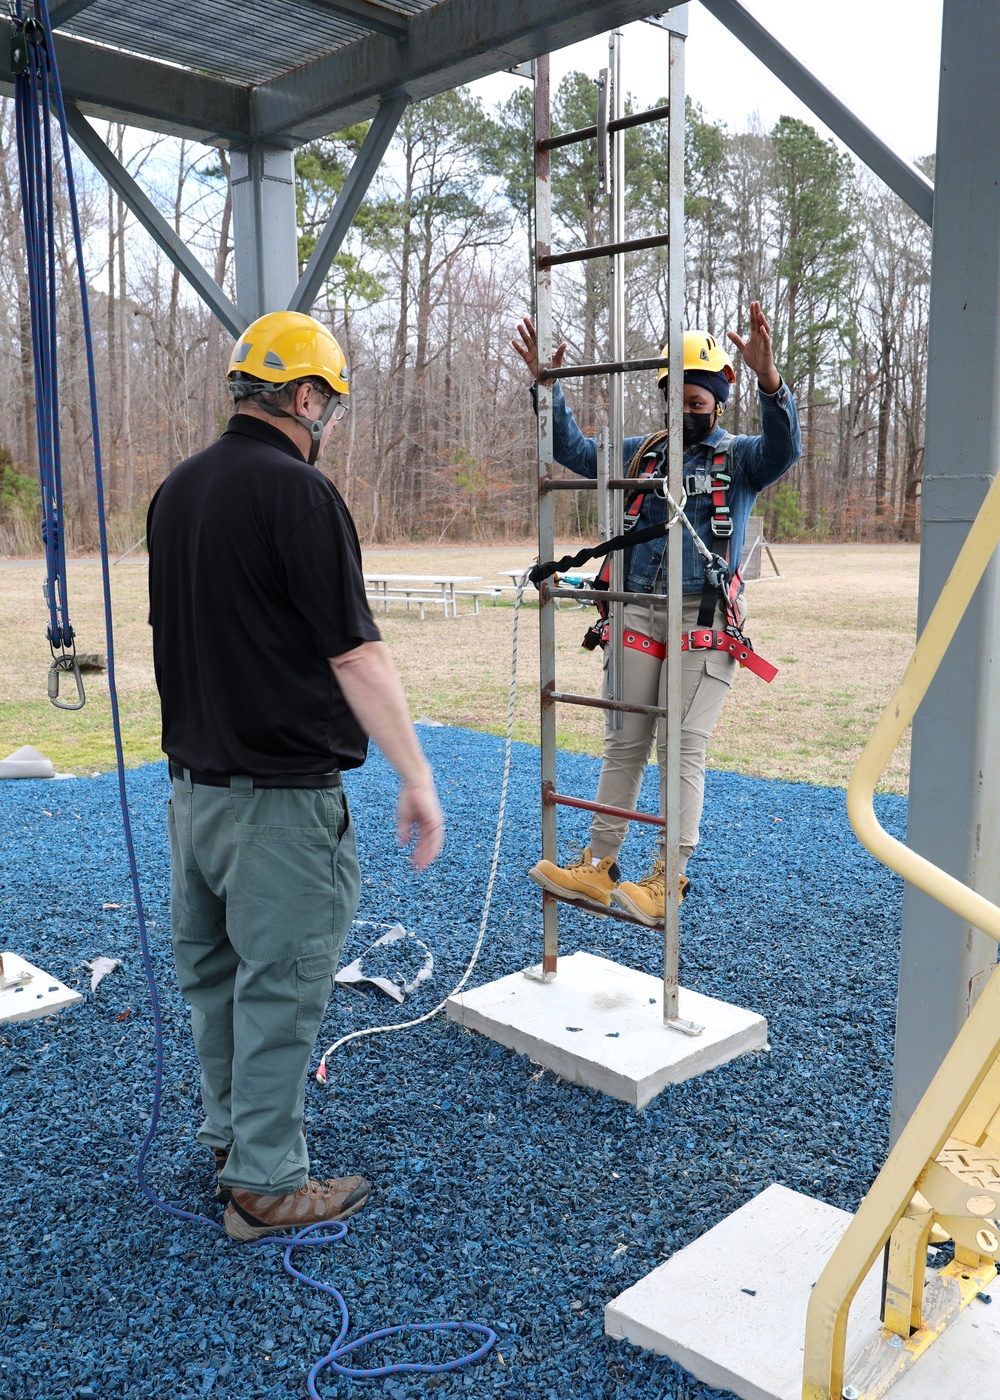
(756, 462)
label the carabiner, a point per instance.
(68, 664)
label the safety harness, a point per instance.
(721, 581)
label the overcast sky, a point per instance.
(879, 56)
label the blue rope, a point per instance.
(35, 87)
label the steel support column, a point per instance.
(955, 767)
(264, 237)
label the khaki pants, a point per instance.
(264, 884)
(706, 677)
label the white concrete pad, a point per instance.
(601, 1025)
(40, 995)
(731, 1309)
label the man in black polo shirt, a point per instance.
(271, 675)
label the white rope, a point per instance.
(428, 1015)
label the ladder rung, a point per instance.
(605, 250)
(597, 702)
(568, 483)
(558, 799)
(595, 595)
(592, 907)
(607, 367)
(587, 133)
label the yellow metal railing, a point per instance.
(977, 1047)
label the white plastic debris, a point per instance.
(99, 969)
(26, 762)
(354, 975)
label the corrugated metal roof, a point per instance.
(244, 41)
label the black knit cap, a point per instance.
(716, 383)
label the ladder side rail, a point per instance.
(673, 554)
(615, 504)
(546, 501)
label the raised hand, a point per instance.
(756, 351)
(527, 347)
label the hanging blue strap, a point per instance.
(33, 86)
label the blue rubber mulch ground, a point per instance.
(500, 1193)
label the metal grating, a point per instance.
(242, 41)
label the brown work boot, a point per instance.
(250, 1216)
(643, 899)
(579, 878)
(221, 1155)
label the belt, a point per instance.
(704, 639)
(279, 780)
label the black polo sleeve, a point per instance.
(321, 558)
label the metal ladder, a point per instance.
(611, 484)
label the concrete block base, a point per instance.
(601, 1025)
(731, 1309)
(39, 995)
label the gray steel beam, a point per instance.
(265, 244)
(118, 86)
(381, 19)
(354, 189)
(453, 42)
(954, 806)
(152, 220)
(67, 10)
(906, 180)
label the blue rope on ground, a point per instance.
(35, 87)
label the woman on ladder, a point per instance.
(723, 477)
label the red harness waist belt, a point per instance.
(705, 639)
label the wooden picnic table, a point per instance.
(403, 586)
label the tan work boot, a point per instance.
(643, 899)
(579, 879)
(250, 1216)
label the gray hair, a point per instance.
(274, 399)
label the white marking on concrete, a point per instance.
(601, 1025)
(41, 995)
(731, 1309)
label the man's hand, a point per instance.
(756, 351)
(527, 347)
(418, 812)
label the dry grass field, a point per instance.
(839, 624)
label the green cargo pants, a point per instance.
(264, 886)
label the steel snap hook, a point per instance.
(69, 665)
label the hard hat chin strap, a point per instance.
(314, 426)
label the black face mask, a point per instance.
(696, 427)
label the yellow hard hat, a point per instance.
(286, 345)
(702, 352)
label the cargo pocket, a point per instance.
(280, 892)
(314, 979)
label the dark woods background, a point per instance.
(439, 443)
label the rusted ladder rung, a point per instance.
(558, 799)
(596, 595)
(605, 250)
(602, 367)
(587, 133)
(596, 702)
(574, 483)
(591, 906)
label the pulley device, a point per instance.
(37, 92)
